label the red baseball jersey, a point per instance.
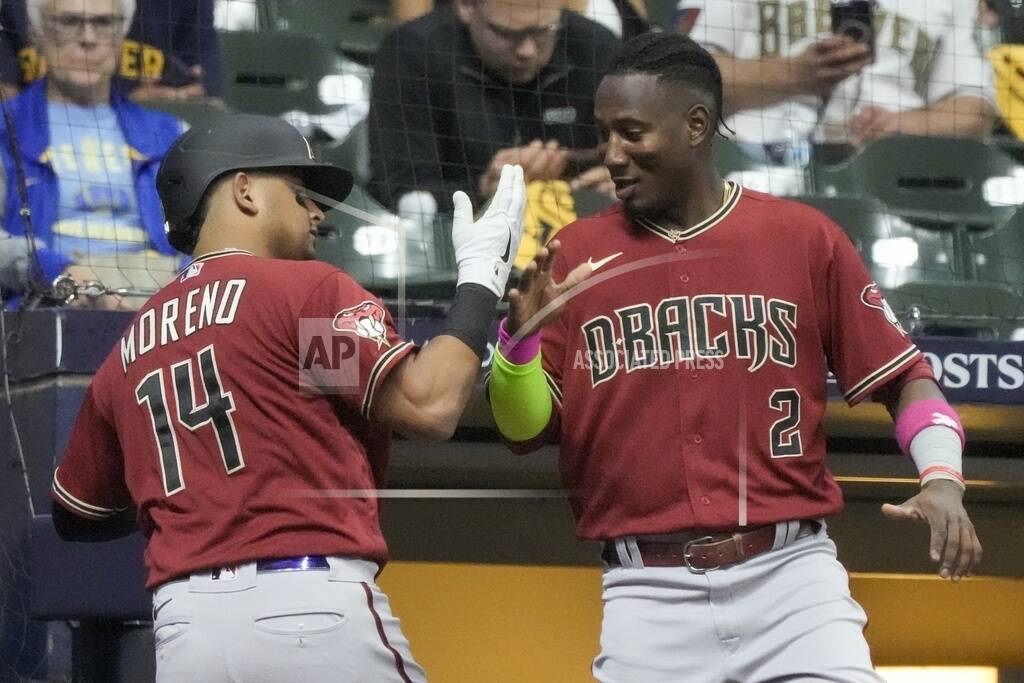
(207, 417)
(689, 374)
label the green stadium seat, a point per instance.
(367, 249)
(355, 27)
(959, 309)
(729, 158)
(999, 253)
(662, 13)
(352, 153)
(192, 113)
(929, 180)
(895, 251)
(589, 201)
(273, 72)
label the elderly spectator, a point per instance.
(477, 84)
(171, 51)
(89, 155)
(789, 79)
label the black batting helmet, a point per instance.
(235, 142)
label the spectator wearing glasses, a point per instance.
(478, 84)
(89, 155)
(171, 51)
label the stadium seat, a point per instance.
(352, 153)
(662, 13)
(353, 27)
(366, 247)
(999, 253)
(729, 158)
(589, 201)
(959, 309)
(192, 113)
(273, 72)
(895, 251)
(929, 180)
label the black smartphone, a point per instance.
(853, 18)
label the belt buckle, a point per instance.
(686, 555)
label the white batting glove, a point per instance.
(485, 249)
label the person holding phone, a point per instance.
(849, 71)
(477, 84)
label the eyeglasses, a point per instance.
(539, 34)
(71, 26)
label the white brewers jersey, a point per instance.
(925, 51)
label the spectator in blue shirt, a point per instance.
(90, 155)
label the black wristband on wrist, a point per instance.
(469, 319)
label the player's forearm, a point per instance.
(520, 402)
(929, 431)
(917, 390)
(965, 116)
(755, 83)
(434, 386)
(425, 395)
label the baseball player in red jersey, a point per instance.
(687, 333)
(250, 484)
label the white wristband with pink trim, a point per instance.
(931, 433)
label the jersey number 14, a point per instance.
(216, 412)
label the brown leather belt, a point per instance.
(702, 552)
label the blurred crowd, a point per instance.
(459, 88)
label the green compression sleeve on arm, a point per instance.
(520, 400)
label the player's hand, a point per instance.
(954, 543)
(539, 160)
(486, 248)
(597, 178)
(826, 62)
(873, 122)
(539, 300)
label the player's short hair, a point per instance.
(187, 232)
(674, 59)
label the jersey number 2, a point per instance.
(216, 412)
(786, 431)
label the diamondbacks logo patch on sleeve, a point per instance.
(872, 297)
(366, 320)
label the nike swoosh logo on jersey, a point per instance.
(594, 265)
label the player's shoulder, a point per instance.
(299, 276)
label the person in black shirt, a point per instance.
(477, 84)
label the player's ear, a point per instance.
(699, 124)
(243, 191)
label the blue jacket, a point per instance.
(148, 133)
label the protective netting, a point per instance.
(912, 153)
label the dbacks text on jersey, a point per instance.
(683, 328)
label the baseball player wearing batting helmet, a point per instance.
(677, 347)
(218, 425)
